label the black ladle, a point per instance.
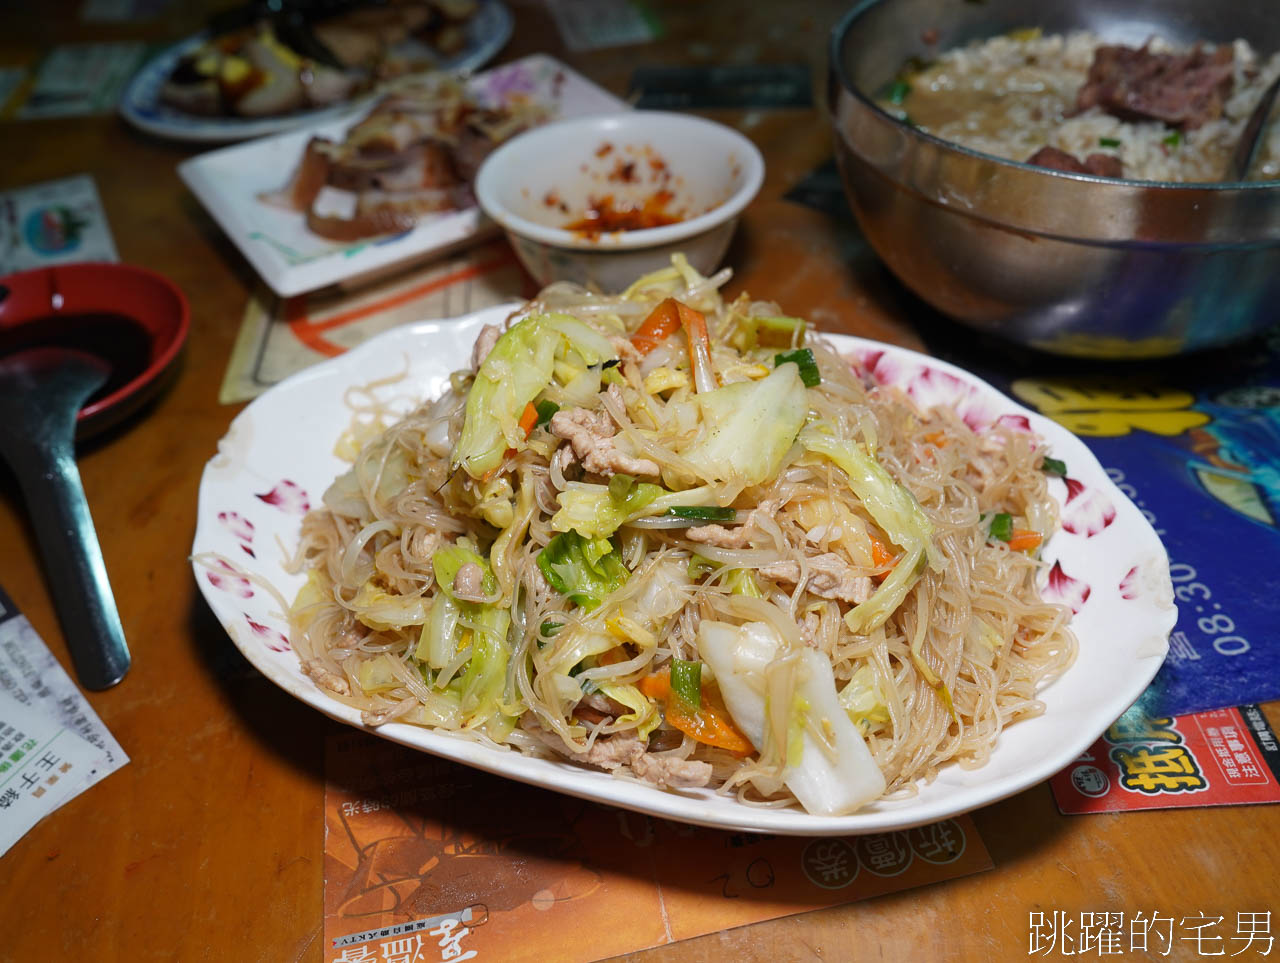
(1247, 146)
(41, 393)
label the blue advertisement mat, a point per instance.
(1196, 446)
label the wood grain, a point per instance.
(208, 845)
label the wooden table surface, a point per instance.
(208, 845)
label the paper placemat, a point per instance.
(435, 861)
(281, 336)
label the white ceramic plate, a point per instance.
(141, 106)
(277, 459)
(293, 260)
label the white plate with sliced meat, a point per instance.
(300, 239)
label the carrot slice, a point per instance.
(708, 723)
(695, 327)
(656, 686)
(528, 418)
(880, 554)
(662, 322)
(1024, 540)
(665, 320)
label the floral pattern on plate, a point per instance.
(1124, 609)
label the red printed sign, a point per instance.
(1222, 757)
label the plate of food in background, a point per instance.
(265, 68)
(336, 200)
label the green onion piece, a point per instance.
(778, 331)
(1108, 142)
(699, 566)
(703, 513)
(620, 487)
(549, 629)
(803, 359)
(898, 91)
(686, 681)
(1052, 466)
(545, 410)
(1172, 139)
(1002, 526)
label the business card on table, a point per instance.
(426, 859)
(42, 765)
(1223, 757)
(53, 746)
(597, 24)
(53, 222)
(83, 78)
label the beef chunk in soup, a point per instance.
(1182, 89)
(1103, 165)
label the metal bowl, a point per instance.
(1067, 263)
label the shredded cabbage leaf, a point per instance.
(587, 570)
(748, 427)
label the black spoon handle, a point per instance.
(41, 391)
(50, 481)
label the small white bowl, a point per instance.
(546, 178)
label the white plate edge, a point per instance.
(601, 787)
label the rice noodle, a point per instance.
(960, 656)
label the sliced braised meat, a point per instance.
(424, 165)
(1103, 165)
(308, 178)
(410, 157)
(1184, 90)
